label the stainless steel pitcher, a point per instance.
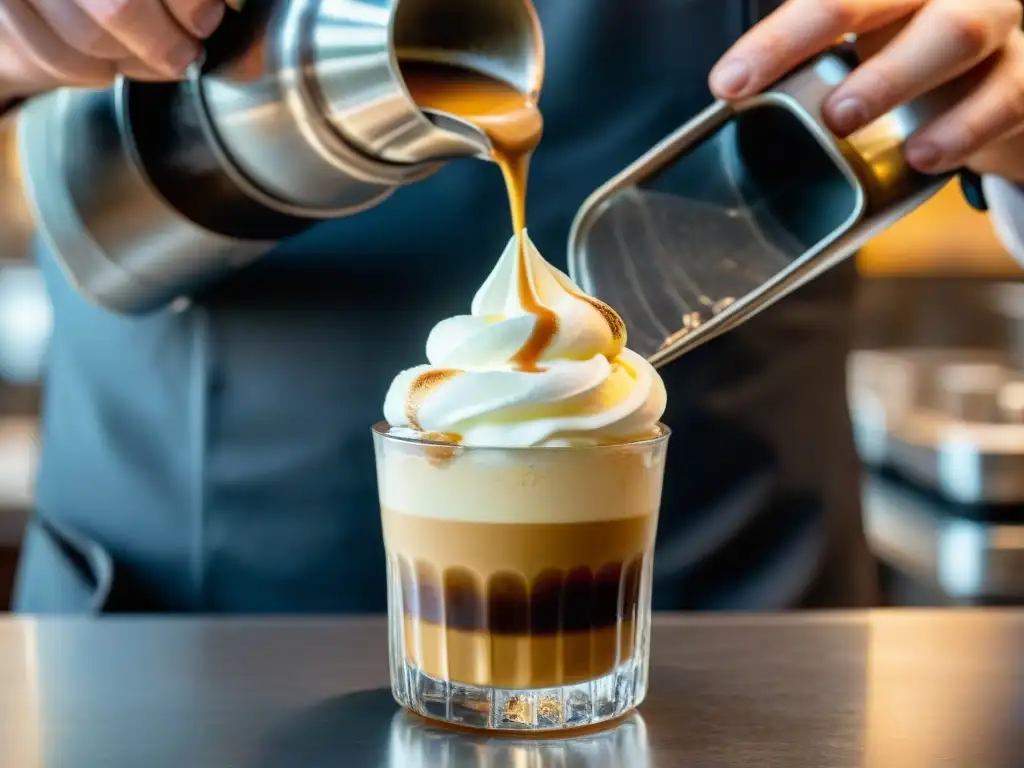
(742, 205)
(147, 192)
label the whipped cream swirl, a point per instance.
(587, 388)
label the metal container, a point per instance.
(148, 192)
(742, 205)
(970, 561)
(951, 421)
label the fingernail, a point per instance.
(730, 78)
(924, 156)
(183, 54)
(208, 17)
(848, 115)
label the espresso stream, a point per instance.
(513, 124)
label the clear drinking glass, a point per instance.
(519, 579)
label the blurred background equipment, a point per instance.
(937, 398)
(25, 322)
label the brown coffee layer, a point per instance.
(517, 661)
(482, 549)
(508, 603)
(518, 605)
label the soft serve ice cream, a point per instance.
(536, 363)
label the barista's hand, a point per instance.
(929, 43)
(49, 43)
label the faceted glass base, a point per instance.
(540, 709)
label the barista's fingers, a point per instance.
(200, 17)
(19, 74)
(943, 41)
(993, 109)
(35, 57)
(78, 30)
(798, 30)
(134, 69)
(147, 29)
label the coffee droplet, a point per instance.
(692, 321)
(673, 338)
(723, 304)
(422, 386)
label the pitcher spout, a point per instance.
(469, 140)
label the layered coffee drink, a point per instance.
(519, 568)
(519, 510)
(520, 474)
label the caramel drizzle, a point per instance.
(513, 124)
(420, 388)
(515, 169)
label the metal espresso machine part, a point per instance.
(941, 432)
(149, 192)
(743, 204)
(949, 420)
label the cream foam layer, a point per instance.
(590, 389)
(499, 486)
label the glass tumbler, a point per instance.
(519, 579)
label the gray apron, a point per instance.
(218, 459)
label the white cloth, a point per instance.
(1006, 209)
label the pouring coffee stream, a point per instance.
(513, 125)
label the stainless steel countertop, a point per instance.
(873, 690)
